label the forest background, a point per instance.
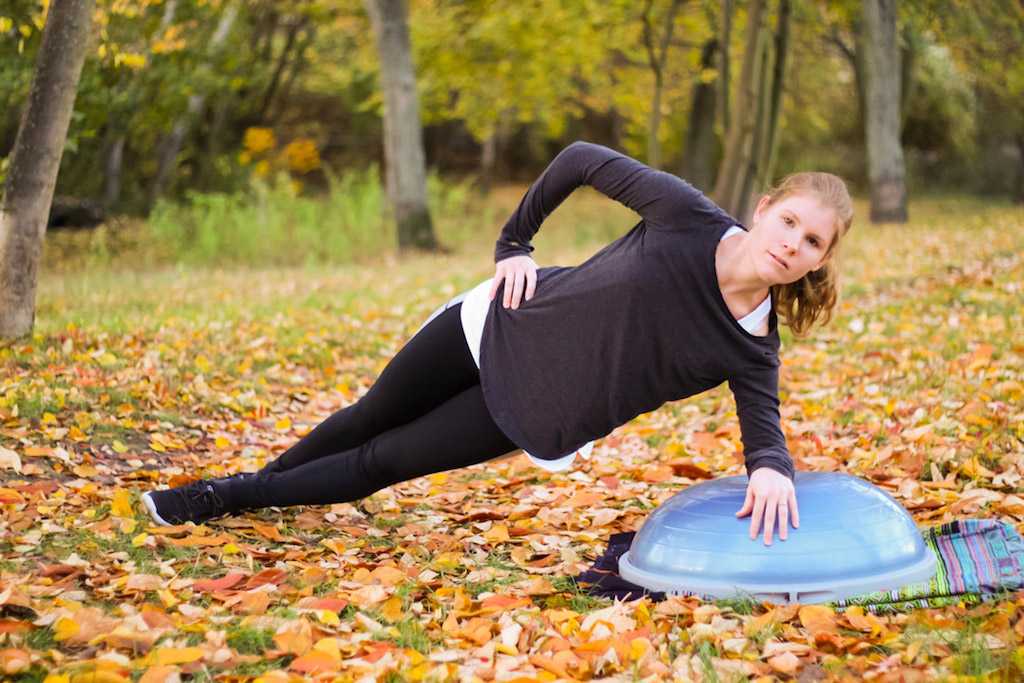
(191, 112)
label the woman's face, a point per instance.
(791, 237)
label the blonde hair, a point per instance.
(800, 304)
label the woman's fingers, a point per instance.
(769, 521)
(517, 289)
(745, 510)
(755, 520)
(531, 283)
(509, 279)
(794, 509)
(783, 520)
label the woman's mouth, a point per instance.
(778, 260)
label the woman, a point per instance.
(684, 301)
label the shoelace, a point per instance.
(200, 499)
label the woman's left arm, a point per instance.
(770, 491)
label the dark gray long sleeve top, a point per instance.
(641, 322)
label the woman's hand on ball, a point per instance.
(518, 273)
(770, 492)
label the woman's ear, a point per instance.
(762, 205)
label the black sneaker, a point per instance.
(198, 502)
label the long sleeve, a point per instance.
(662, 199)
(757, 405)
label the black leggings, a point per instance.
(424, 414)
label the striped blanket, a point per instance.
(978, 560)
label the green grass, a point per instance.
(250, 641)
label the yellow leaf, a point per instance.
(222, 442)
(140, 540)
(98, 676)
(119, 447)
(329, 646)
(283, 425)
(167, 598)
(329, 617)
(497, 534)
(392, 609)
(447, 561)
(127, 526)
(121, 506)
(64, 628)
(231, 549)
(203, 363)
(174, 655)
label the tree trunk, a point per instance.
(112, 170)
(766, 165)
(171, 145)
(698, 153)
(657, 56)
(282, 61)
(751, 170)
(723, 65)
(743, 122)
(35, 160)
(403, 135)
(886, 171)
(1019, 194)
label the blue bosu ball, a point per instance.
(854, 538)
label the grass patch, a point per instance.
(576, 599)
(250, 641)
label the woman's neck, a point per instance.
(742, 288)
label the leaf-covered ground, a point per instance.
(139, 379)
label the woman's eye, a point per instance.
(813, 241)
(789, 221)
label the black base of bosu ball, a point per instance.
(854, 538)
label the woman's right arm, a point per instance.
(662, 199)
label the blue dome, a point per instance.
(854, 538)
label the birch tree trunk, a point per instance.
(404, 158)
(886, 170)
(35, 160)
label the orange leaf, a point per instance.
(500, 603)
(686, 468)
(10, 496)
(583, 498)
(818, 619)
(268, 531)
(333, 604)
(658, 474)
(785, 663)
(314, 662)
(223, 583)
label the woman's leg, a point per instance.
(433, 366)
(457, 433)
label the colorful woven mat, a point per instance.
(977, 560)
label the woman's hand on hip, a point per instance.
(518, 272)
(770, 492)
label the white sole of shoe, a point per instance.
(147, 499)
